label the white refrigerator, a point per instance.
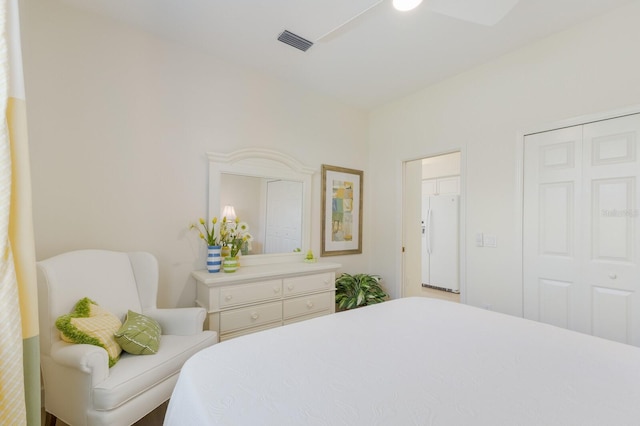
(440, 215)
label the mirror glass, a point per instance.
(271, 192)
(271, 207)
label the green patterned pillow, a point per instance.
(139, 335)
(90, 324)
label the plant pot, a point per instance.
(230, 264)
(226, 251)
(214, 260)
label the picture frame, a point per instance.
(341, 211)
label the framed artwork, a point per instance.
(341, 211)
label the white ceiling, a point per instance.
(383, 55)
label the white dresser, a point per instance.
(265, 296)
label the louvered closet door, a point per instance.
(580, 229)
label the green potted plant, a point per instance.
(357, 290)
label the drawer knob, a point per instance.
(613, 276)
(255, 316)
(229, 297)
(290, 286)
(309, 304)
(276, 289)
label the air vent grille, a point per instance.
(294, 40)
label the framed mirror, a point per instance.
(271, 192)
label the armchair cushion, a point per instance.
(134, 375)
(139, 335)
(88, 323)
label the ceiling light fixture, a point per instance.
(405, 5)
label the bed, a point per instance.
(412, 361)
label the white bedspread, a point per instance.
(411, 361)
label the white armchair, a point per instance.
(79, 386)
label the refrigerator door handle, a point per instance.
(429, 231)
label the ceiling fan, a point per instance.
(483, 12)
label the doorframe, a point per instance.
(462, 231)
(519, 178)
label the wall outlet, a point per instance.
(479, 239)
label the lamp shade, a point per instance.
(229, 212)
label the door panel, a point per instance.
(612, 314)
(612, 230)
(556, 217)
(554, 302)
(614, 149)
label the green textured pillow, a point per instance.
(139, 335)
(90, 324)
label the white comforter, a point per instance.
(411, 361)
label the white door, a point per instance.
(552, 236)
(412, 228)
(283, 231)
(580, 228)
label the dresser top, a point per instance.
(254, 272)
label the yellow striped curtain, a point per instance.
(19, 347)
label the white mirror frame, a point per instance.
(266, 163)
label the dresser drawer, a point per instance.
(250, 293)
(308, 283)
(304, 318)
(246, 331)
(308, 304)
(251, 316)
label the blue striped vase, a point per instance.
(213, 259)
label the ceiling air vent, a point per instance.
(294, 40)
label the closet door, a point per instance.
(610, 265)
(580, 229)
(552, 246)
(284, 216)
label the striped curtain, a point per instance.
(19, 346)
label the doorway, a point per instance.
(432, 227)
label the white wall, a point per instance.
(119, 124)
(590, 68)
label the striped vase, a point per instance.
(213, 259)
(230, 264)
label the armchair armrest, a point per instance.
(179, 321)
(89, 359)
